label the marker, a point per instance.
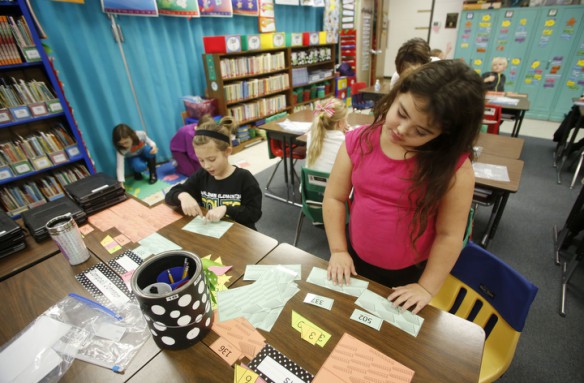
(96, 305)
(170, 278)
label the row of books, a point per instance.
(37, 151)
(243, 133)
(17, 198)
(252, 65)
(242, 90)
(259, 108)
(15, 36)
(20, 92)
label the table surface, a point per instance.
(498, 145)
(447, 349)
(522, 105)
(514, 169)
(33, 253)
(383, 90)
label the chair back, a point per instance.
(492, 118)
(275, 148)
(483, 289)
(313, 185)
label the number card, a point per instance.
(275, 367)
(243, 375)
(309, 331)
(367, 319)
(227, 351)
(320, 301)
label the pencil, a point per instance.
(185, 269)
(170, 278)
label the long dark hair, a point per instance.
(452, 96)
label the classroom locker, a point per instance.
(555, 33)
(572, 82)
(474, 38)
(512, 39)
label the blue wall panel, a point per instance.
(164, 57)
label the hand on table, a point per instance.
(412, 295)
(215, 214)
(189, 205)
(340, 268)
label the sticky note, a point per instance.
(243, 375)
(122, 240)
(110, 245)
(298, 323)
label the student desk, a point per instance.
(517, 111)
(447, 349)
(33, 253)
(369, 93)
(502, 146)
(238, 247)
(288, 138)
(500, 191)
(31, 292)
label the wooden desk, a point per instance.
(518, 111)
(500, 191)
(502, 146)
(447, 349)
(369, 93)
(33, 253)
(31, 292)
(238, 247)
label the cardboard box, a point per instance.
(233, 43)
(41, 162)
(5, 116)
(295, 39)
(54, 106)
(22, 167)
(310, 38)
(20, 112)
(58, 157)
(38, 109)
(322, 37)
(73, 152)
(267, 40)
(6, 173)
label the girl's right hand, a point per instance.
(189, 205)
(340, 268)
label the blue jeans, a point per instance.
(139, 163)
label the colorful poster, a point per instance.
(267, 20)
(288, 2)
(215, 8)
(178, 8)
(331, 19)
(130, 7)
(245, 7)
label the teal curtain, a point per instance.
(164, 58)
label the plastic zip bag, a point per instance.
(113, 342)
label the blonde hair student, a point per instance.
(136, 148)
(495, 79)
(223, 189)
(412, 181)
(327, 133)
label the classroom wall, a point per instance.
(163, 55)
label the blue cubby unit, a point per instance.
(46, 116)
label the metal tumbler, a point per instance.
(64, 231)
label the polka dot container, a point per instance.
(182, 317)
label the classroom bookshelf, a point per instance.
(41, 148)
(253, 86)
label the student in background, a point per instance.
(412, 54)
(439, 54)
(137, 149)
(326, 135)
(495, 79)
(413, 184)
(223, 189)
(182, 149)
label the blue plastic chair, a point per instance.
(485, 290)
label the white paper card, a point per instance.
(110, 331)
(254, 272)
(320, 301)
(367, 319)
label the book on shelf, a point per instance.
(8, 46)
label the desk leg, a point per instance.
(517, 125)
(568, 150)
(496, 215)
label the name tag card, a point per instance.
(320, 301)
(367, 319)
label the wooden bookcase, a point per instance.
(267, 76)
(18, 124)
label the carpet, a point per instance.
(167, 177)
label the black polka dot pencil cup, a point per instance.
(174, 298)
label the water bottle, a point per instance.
(377, 85)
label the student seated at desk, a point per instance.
(326, 135)
(413, 184)
(223, 189)
(412, 54)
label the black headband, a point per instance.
(212, 134)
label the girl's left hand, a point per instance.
(215, 214)
(154, 150)
(412, 295)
